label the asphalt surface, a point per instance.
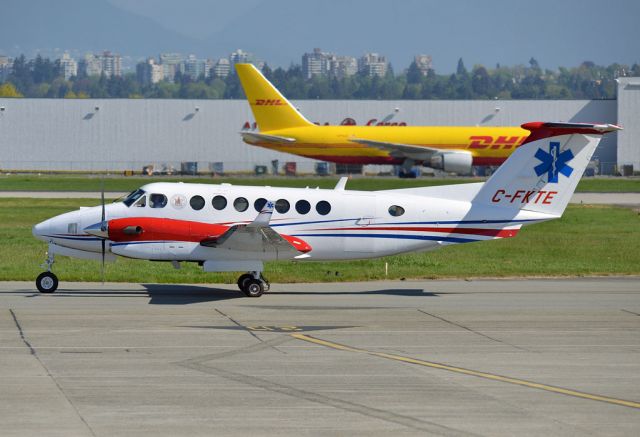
(622, 199)
(454, 358)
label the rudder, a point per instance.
(271, 109)
(543, 173)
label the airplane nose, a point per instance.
(41, 229)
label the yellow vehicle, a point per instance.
(450, 148)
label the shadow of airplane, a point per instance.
(174, 294)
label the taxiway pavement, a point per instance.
(454, 358)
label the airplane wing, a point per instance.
(256, 137)
(400, 150)
(258, 236)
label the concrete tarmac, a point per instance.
(551, 357)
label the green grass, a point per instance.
(588, 240)
(122, 184)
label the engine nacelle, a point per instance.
(453, 162)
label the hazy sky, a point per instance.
(509, 32)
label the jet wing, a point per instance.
(400, 150)
(256, 137)
(258, 236)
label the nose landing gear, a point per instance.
(253, 284)
(47, 282)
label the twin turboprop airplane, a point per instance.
(236, 228)
(450, 148)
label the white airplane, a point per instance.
(236, 228)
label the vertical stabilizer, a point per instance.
(271, 109)
(542, 174)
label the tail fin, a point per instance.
(542, 174)
(270, 108)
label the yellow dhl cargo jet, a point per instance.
(449, 148)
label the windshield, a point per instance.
(133, 196)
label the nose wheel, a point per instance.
(47, 282)
(253, 284)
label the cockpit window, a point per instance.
(157, 200)
(133, 196)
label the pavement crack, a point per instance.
(253, 381)
(253, 334)
(630, 312)
(34, 353)
(472, 330)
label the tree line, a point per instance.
(43, 78)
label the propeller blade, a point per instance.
(103, 207)
(103, 241)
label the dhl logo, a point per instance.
(488, 142)
(269, 102)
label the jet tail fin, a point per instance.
(271, 109)
(542, 174)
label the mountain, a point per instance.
(510, 32)
(80, 26)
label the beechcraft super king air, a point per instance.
(450, 148)
(236, 228)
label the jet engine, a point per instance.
(453, 162)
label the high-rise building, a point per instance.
(342, 66)
(149, 72)
(90, 65)
(68, 65)
(423, 62)
(316, 63)
(111, 64)
(5, 67)
(194, 67)
(372, 64)
(171, 64)
(222, 68)
(240, 57)
(107, 63)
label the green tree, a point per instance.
(9, 90)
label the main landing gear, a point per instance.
(47, 282)
(253, 284)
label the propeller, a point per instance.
(103, 228)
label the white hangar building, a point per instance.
(127, 134)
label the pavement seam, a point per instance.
(470, 372)
(340, 404)
(472, 330)
(33, 352)
(248, 330)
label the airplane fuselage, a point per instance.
(487, 145)
(336, 224)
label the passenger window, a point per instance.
(241, 204)
(323, 207)
(303, 207)
(259, 204)
(157, 201)
(396, 210)
(219, 202)
(282, 206)
(197, 202)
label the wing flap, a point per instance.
(400, 150)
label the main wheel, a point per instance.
(242, 280)
(47, 282)
(253, 288)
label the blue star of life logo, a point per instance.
(554, 162)
(269, 205)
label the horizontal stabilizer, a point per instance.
(255, 137)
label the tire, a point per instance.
(47, 282)
(243, 279)
(253, 288)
